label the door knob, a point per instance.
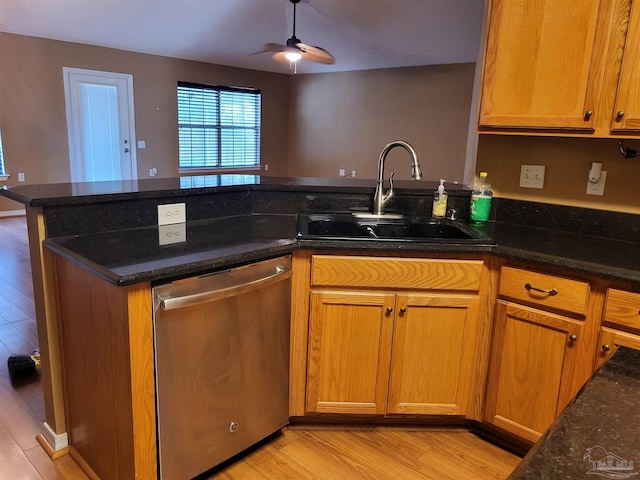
(606, 348)
(389, 310)
(402, 310)
(573, 337)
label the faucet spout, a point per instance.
(380, 198)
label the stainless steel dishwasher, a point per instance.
(222, 364)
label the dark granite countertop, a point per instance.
(111, 228)
(603, 257)
(596, 436)
(55, 194)
(135, 255)
(125, 257)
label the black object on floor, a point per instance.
(21, 366)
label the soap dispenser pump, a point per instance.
(440, 201)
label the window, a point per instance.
(218, 127)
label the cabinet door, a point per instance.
(532, 352)
(611, 339)
(543, 64)
(349, 352)
(626, 115)
(433, 356)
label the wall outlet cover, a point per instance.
(597, 188)
(175, 233)
(172, 213)
(532, 176)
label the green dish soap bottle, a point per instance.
(481, 199)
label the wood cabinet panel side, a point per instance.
(97, 370)
(300, 284)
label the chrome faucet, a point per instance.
(380, 199)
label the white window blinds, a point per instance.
(218, 127)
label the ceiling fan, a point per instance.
(295, 50)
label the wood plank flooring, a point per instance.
(298, 452)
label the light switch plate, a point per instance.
(532, 176)
(171, 213)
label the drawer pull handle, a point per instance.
(552, 292)
(389, 310)
(573, 337)
(403, 310)
(606, 348)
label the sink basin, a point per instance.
(408, 229)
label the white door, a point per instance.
(100, 122)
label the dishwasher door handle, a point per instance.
(171, 303)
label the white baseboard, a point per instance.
(12, 213)
(57, 441)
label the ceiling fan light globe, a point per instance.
(293, 56)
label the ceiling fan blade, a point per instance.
(279, 57)
(315, 54)
(271, 47)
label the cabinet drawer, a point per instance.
(622, 310)
(545, 291)
(380, 272)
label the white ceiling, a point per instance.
(361, 34)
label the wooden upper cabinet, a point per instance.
(540, 67)
(556, 67)
(626, 114)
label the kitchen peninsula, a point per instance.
(106, 235)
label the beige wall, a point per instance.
(313, 124)
(32, 106)
(567, 162)
(343, 120)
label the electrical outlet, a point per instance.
(353, 173)
(175, 233)
(21, 177)
(532, 176)
(597, 188)
(341, 172)
(172, 213)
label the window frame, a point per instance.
(4, 176)
(219, 127)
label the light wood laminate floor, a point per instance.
(300, 453)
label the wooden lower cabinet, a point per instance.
(534, 354)
(611, 339)
(433, 354)
(392, 352)
(349, 352)
(621, 323)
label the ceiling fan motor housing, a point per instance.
(293, 42)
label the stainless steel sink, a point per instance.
(339, 226)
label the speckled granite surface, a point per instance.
(111, 228)
(131, 256)
(597, 435)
